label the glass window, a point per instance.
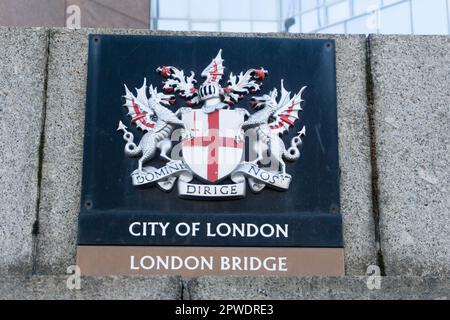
(289, 8)
(388, 2)
(365, 6)
(330, 16)
(339, 28)
(309, 21)
(235, 9)
(264, 9)
(308, 4)
(338, 12)
(295, 27)
(265, 27)
(322, 18)
(173, 8)
(173, 25)
(430, 17)
(448, 15)
(204, 26)
(236, 26)
(395, 19)
(200, 9)
(365, 24)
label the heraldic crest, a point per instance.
(205, 140)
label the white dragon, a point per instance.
(272, 119)
(154, 119)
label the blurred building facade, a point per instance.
(128, 14)
(305, 16)
(299, 16)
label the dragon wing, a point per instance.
(138, 108)
(287, 112)
(214, 71)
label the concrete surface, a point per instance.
(412, 117)
(215, 288)
(62, 159)
(91, 288)
(63, 149)
(64, 144)
(411, 76)
(354, 155)
(23, 54)
(324, 288)
(354, 152)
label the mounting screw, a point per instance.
(88, 204)
(334, 208)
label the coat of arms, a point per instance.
(204, 142)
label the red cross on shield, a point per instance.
(213, 153)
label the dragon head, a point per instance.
(158, 98)
(267, 100)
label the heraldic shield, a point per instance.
(212, 152)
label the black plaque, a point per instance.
(110, 203)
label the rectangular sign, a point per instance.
(199, 261)
(211, 142)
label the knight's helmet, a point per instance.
(213, 73)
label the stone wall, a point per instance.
(394, 139)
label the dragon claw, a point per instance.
(239, 137)
(187, 136)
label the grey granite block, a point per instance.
(412, 117)
(64, 146)
(235, 288)
(354, 155)
(91, 288)
(62, 159)
(326, 288)
(23, 54)
(354, 152)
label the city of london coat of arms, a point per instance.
(204, 142)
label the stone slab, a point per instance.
(412, 117)
(354, 154)
(91, 288)
(215, 288)
(64, 145)
(23, 54)
(323, 288)
(63, 148)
